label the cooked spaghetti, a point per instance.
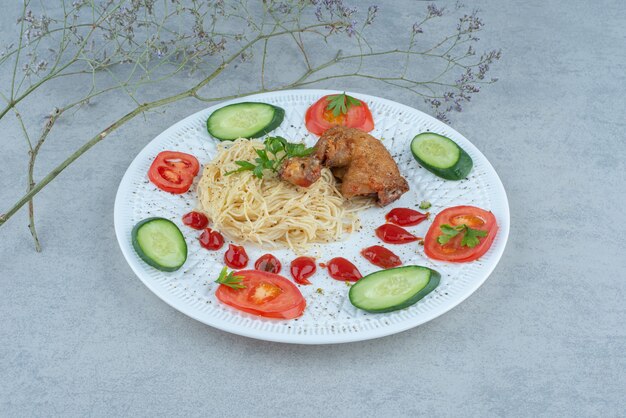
(269, 211)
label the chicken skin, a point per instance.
(359, 160)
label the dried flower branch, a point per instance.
(128, 45)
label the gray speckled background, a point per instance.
(544, 336)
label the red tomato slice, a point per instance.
(318, 118)
(471, 216)
(265, 294)
(269, 263)
(173, 171)
(381, 257)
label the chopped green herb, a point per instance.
(227, 279)
(276, 150)
(340, 103)
(470, 236)
(425, 204)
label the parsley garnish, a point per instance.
(271, 157)
(470, 237)
(340, 103)
(227, 279)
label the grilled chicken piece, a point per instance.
(301, 171)
(361, 161)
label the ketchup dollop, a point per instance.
(341, 269)
(269, 263)
(394, 234)
(211, 240)
(405, 217)
(195, 220)
(235, 257)
(302, 268)
(381, 257)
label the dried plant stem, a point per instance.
(36, 188)
(108, 39)
(32, 154)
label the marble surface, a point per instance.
(80, 335)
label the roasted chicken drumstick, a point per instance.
(361, 161)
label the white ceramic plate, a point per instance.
(329, 317)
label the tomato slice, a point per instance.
(473, 217)
(381, 257)
(318, 118)
(173, 171)
(269, 263)
(265, 294)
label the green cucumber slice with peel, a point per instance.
(393, 289)
(159, 242)
(244, 120)
(441, 156)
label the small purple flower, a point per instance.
(371, 14)
(318, 13)
(351, 29)
(284, 8)
(433, 10)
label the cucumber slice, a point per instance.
(160, 243)
(441, 156)
(393, 289)
(244, 120)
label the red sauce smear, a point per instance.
(195, 220)
(235, 257)
(302, 268)
(211, 240)
(341, 269)
(405, 217)
(394, 234)
(381, 257)
(269, 263)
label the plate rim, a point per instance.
(306, 339)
